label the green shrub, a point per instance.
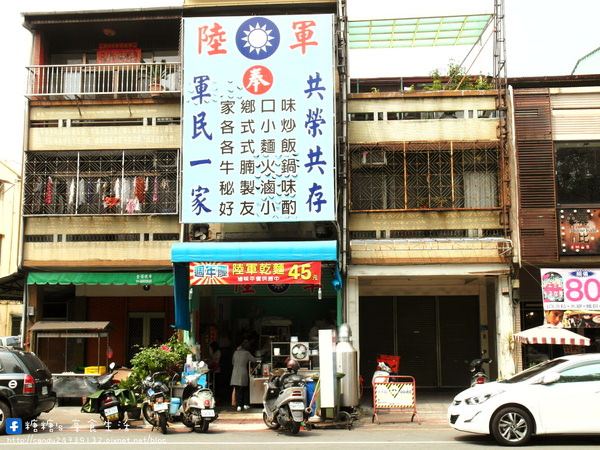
(168, 358)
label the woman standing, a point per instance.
(240, 378)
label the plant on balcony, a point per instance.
(157, 73)
(457, 79)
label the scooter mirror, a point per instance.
(111, 366)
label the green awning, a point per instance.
(102, 278)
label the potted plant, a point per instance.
(168, 357)
(157, 73)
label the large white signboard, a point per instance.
(571, 297)
(258, 119)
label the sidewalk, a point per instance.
(431, 408)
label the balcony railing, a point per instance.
(88, 81)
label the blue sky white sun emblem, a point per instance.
(257, 38)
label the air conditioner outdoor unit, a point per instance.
(374, 158)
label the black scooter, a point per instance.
(110, 401)
(155, 407)
(478, 375)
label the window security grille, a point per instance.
(437, 175)
(107, 182)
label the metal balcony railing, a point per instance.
(87, 81)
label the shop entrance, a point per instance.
(435, 337)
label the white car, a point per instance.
(560, 396)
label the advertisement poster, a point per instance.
(571, 297)
(259, 272)
(258, 139)
(579, 231)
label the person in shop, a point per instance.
(214, 362)
(240, 378)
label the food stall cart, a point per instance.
(69, 384)
(306, 353)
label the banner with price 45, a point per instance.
(256, 272)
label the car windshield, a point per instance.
(533, 371)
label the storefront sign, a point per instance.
(571, 297)
(579, 231)
(258, 139)
(260, 272)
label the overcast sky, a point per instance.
(543, 37)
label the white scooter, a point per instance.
(198, 402)
(285, 400)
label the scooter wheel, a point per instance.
(149, 414)
(203, 428)
(295, 427)
(271, 425)
(162, 423)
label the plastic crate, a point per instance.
(95, 370)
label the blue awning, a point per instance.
(254, 251)
(186, 252)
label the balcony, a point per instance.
(101, 81)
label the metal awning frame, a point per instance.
(417, 32)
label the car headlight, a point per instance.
(479, 399)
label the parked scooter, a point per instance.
(155, 407)
(198, 402)
(110, 401)
(285, 400)
(478, 374)
(382, 373)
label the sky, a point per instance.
(543, 38)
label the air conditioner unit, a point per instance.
(374, 158)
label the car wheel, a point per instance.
(4, 414)
(512, 426)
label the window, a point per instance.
(15, 325)
(444, 175)
(145, 329)
(110, 182)
(361, 116)
(9, 363)
(577, 166)
(587, 372)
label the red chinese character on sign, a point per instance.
(258, 80)
(213, 37)
(304, 34)
(244, 289)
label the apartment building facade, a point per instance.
(107, 244)
(554, 129)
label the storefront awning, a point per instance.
(101, 278)
(183, 253)
(71, 329)
(254, 251)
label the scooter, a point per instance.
(198, 402)
(110, 401)
(155, 406)
(285, 400)
(382, 373)
(478, 375)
